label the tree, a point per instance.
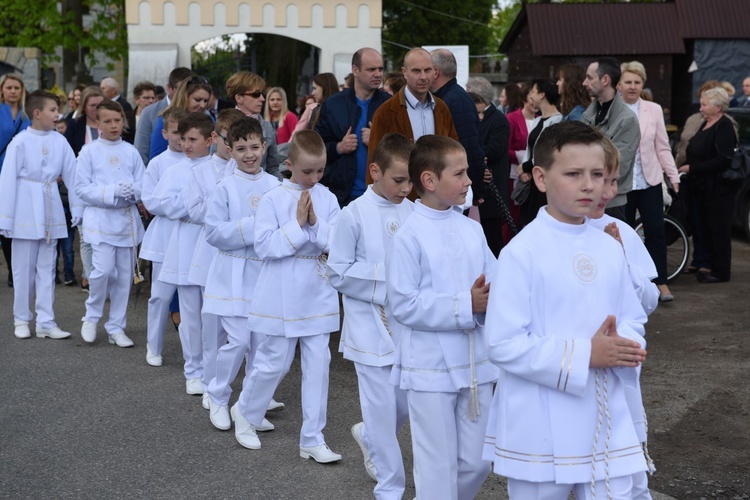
(439, 22)
(47, 27)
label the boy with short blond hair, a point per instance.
(31, 212)
(437, 285)
(157, 236)
(230, 222)
(567, 337)
(293, 301)
(171, 194)
(370, 333)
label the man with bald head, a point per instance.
(344, 124)
(414, 111)
(111, 90)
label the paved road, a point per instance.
(95, 421)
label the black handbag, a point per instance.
(739, 169)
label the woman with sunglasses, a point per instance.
(246, 90)
(192, 95)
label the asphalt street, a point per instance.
(95, 421)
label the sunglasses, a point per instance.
(254, 95)
(197, 79)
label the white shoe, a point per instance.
(194, 386)
(151, 358)
(204, 401)
(219, 415)
(120, 340)
(275, 405)
(88, 331)
(54, 333)
(244, 431)
(369, 466)
(265, 426)
(321, 454)
(22, 331)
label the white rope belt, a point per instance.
(322, 263)
(240, 256)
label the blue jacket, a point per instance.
(466, 120)
(337, 114)
(9, 128)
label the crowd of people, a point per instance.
(255, 219)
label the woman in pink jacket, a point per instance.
(653, 160)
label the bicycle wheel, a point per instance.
(678, 245)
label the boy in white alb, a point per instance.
(203, 180)
(157, 236)
(568, 336)
(293, 301)
(642, 271)
(108, 179)
(435, 276)
(171, 194)
(31, 212)
(230, 223)
(356, 268)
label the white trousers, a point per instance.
(158, 309)
(239, 343)
(112, 276)
(620, 489)
(447, 445)
(640, 486)
(384, 411)
(191, 303)
(33, 263)
(272, 362)
(213, 337)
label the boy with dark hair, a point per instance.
(31, 212)
(567, 336)
(171, 195)
(436, 285)
(370, 333)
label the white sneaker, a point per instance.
(321, 454)
(369, 466)
(205, 401)
(151, 358)
(244, 431)
(54, 333)
(22, 330)
(120, 340)
(265, 426)
(219, 415)
(275, 405)
(88, 331)
(194, 387)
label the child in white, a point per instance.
(567, 335)
(370, 334)
(157, 236)
(108, 179)
(435, 276)
(203, 180)
(230, 225)
(293, 301)
(31, 213)
(171, 194)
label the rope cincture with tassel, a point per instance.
(473, 410)
(602, 404)
(137, 276)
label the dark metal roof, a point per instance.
(714, 19)
(604, 29)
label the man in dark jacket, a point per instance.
(344, 123)
(465, 118)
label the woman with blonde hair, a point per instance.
(13, 119)
(652, 161)
(277, 113)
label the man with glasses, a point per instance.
(246, 89)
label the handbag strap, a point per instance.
(504, 212)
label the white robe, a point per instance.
(160, 229)
(110, 219)
(560, 282)
(203, 180)
(230, 225)
(171, 195)
(434, 260)
(292, 296)
(356, 268)
(30, 204)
